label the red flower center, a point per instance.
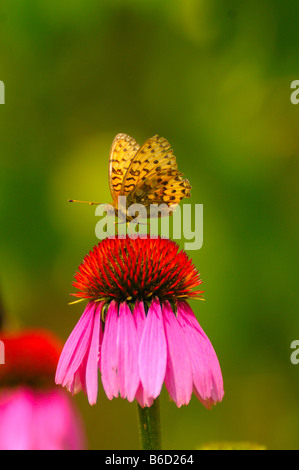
(31, 358)
(139, 268)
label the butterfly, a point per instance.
(146, 174)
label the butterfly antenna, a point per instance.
(85, 202)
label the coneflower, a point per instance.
(34, 413)
(138, 328)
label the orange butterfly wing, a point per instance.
(123, 150)
(153, 177)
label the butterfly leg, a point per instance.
(129, 228)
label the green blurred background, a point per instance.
(213, 77)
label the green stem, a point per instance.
(149, 426)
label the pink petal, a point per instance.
(178, 379)
(75, 348)
(207, 374)
(78, 382)
(93, 358)
(109, 354)
(201, 370)
(56, 423)
(127, 346)
(208, 402)
(139, 317)
(153, 351)
(142, 398)
(16, 406)
(39, 420)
